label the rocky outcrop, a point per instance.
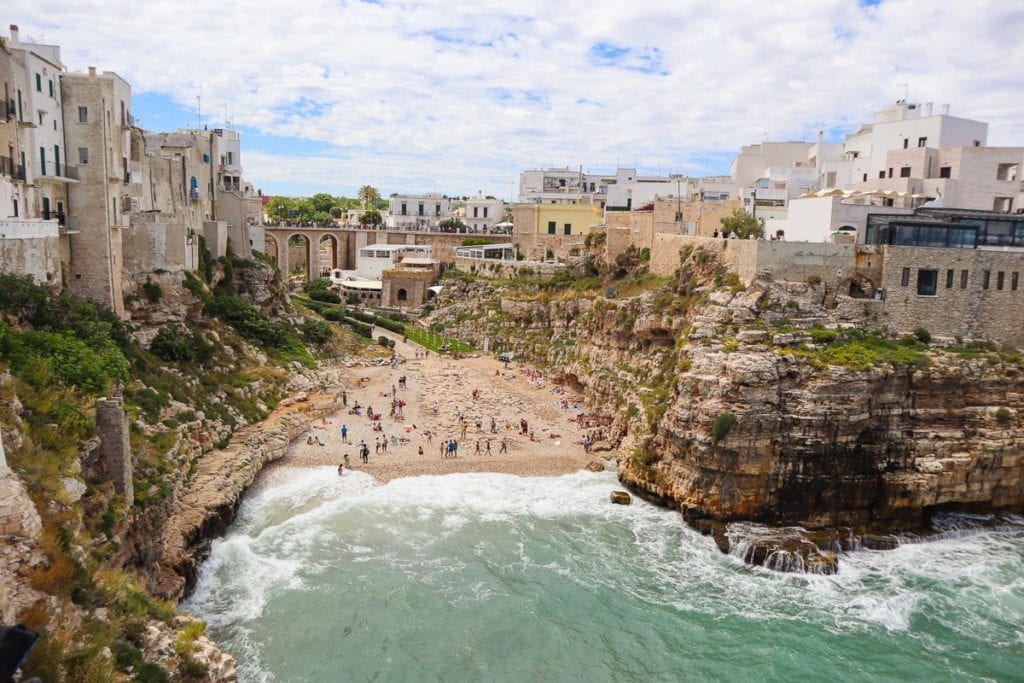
(212, 497)
(738, 404)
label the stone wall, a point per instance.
(498, 268)
(156, 240)
(115, 447)
(973, 311)
(30, 247)
(18, 516)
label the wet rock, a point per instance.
(595, 466)
(879, 542)
(621, 498)
(783, 549)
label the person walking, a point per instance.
(477, 451)
(444, 449)
(504, 445)
(494, 426)
(488, 447)
(364, 451)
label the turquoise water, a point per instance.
(487, 577)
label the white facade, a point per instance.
(373, 259)
(482, 214)
(417, 211)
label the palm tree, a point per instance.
(368, 194)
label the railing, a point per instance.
(54, 170)
(53, 215)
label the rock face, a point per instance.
(876, 448)
(717, 408)
(621, 498)
(212, 498)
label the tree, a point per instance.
(368, 194)
(743, 224)
(280, 208)
(322, 202)
(452, 225)
(371, 217)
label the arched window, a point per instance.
(403, 295)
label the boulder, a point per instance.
(595, 466)
(621, 498)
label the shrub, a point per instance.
(1003, 415)
(192, 284)
(721, 426)
(171, 343)
(386, 342)
(923, 335)
(645, 255)
(153, 291)
(205, 261)
(315, 331)
(814, 280)
(352, 299)
(41, 358)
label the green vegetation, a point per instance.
(471, 241)
(1004, 416)
(743, 224)
(276, 338)
(435, 341)
(857, 350)
(721, 427)
(320, 290)
(153, 291)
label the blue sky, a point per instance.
(458, 97)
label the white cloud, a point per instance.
(459, 96)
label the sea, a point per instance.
(492, 577)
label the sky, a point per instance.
(460, 96)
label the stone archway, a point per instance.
(300, 256)
(327, 253)
(402, 296)
(272, 249)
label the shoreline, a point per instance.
(492, 401)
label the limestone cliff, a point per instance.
(773, 403)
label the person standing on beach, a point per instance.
(344, 398)
(344, 433)
(364, 451)
(477, 451)
(504, 445)
(341, 468)
(494, 426)
(488, 447)
(346, 460)
(444, 449)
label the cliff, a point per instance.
(774, 403)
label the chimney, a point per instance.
(945, 110)
(14, 34)
(927, 108)
(92, 73)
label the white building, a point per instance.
(421, 212)
(483, 213)
(373, 259)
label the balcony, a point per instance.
(58, 173)
(11, 170)
(53, 215)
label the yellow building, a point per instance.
(558, 228)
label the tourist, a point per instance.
(344, 433)
(444, 449)
(477, 451)
(364, 451)
(488, 447)
(494, 426)
(420, 451)
(341, 468)
(346, 460)
(504, 445)
(344, 398)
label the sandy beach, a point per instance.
(506, 395)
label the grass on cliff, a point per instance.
(857, 350)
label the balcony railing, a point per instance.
(53, 170)
(54, 215)
(10, 169)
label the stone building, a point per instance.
(417, 211)
(556, 228)
(97, 107)
(408, 284)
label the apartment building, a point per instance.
(420, 212)
(483, 213)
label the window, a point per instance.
(83, 114)
(905, 277)
(41, 118)
(39, 83)
(51, 87)
(403, 295)
(1006, 172)
(475, 209)
(977, 143)
(906, 143)
(922, 142)
(1004, 204)
(404, 209)
(890, 173)
(485, 212)
(927, 282)
(986, 276)
(865, 177)
(421, 208)
(1013, 281)
(1000, 280)
(881, 174)
(905, 172)
(42, 161)
(949, 278)
(567, 228)
(551, 227)
(437, 209)
(830, 179)
(944, 172)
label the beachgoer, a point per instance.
(488, 447)
(504, 445)
(420, 451)
(477, 451)
(346, 460)
(344, 433)
(341, 468)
